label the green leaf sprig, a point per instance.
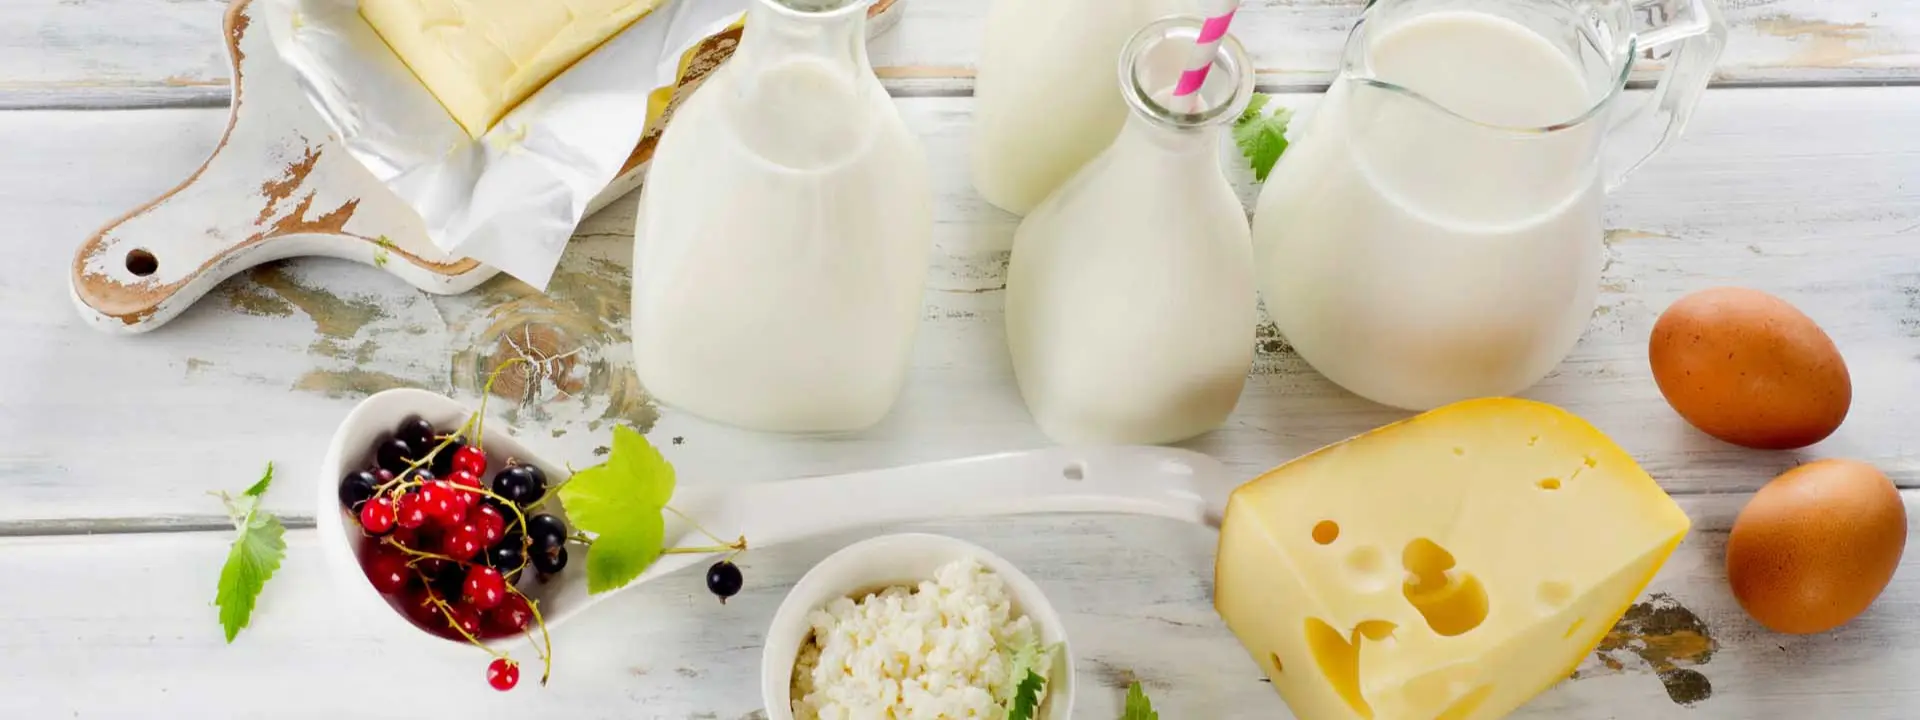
(1138, 706)
(258, 546)
(620, 504)
(1262, 135)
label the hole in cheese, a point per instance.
(1549, 484)
(1453, 603)
(1555, 594)
(1326, 532)
(1574, 628)
(1274, 659)
(1338, 657)
(1367, 568)
(1464, 707)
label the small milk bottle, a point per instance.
(782, 240)
(1130, 295)
(1043, 102)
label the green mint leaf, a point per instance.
(1138, 706)
(1262, 136)
(258, 547)
(620, 502)
(1026, 699)
(260, 488)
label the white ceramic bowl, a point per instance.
(905, 559)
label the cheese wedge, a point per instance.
(481, 58)
(1448, 567)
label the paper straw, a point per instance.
(1206, 47)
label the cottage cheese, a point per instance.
(936, 652)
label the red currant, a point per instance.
(425, 612)
(485, 588)
(411, 511)
(467, 618)
(376, 516)
(466, 486)
(491, 523)
(471, 460)
(442, 503)
(387, 569)
(512, 617)
(462, 543)
(503, 674)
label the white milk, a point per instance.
(1417, 259)
(781, 250)
(1045, 97)
(1130, 293)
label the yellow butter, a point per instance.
(1448, 567)
(481, 58)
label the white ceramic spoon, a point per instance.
(1155, 481)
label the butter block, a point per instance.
(1448, 567)
(481, 58)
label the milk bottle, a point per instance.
(1434, 232)
(781, 247)
(1044, 103)
(1130, 294)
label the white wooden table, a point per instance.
(1799, 177)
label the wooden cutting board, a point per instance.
(278, 186)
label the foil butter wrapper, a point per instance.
(511, 198)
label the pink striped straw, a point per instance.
(1206, 47)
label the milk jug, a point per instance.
(1043, 101)
(783, 233)
(1130, 294)
(1434, 232)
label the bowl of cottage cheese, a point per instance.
(916, 626)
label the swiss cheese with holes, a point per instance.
(1447, 567)
(482, 57)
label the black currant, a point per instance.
(394, 455)
(520, 485)
(448, 579)
(507, 558)
(443, 462)
(724, 580)
(356, 489)
(417, 432)
(550, 561)
(546, 531)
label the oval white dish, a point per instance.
(1162, 482)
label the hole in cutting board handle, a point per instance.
(141, 262)
(1075, 471)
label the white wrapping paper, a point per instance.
(512, 198)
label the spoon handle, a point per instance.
(1154, 481)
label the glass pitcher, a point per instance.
(783, 234)
(1130, 295)
(1433, 234)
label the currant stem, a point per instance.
(696, 526)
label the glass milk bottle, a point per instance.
(1434, 232)
(1043, 105)
(1130, 295)
(783, 233)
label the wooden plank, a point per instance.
(1801, 192)
(138, 53)
(1135, 594)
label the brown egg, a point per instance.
(1750, 369)
(1816, 546)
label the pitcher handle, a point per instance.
(1698, 33)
